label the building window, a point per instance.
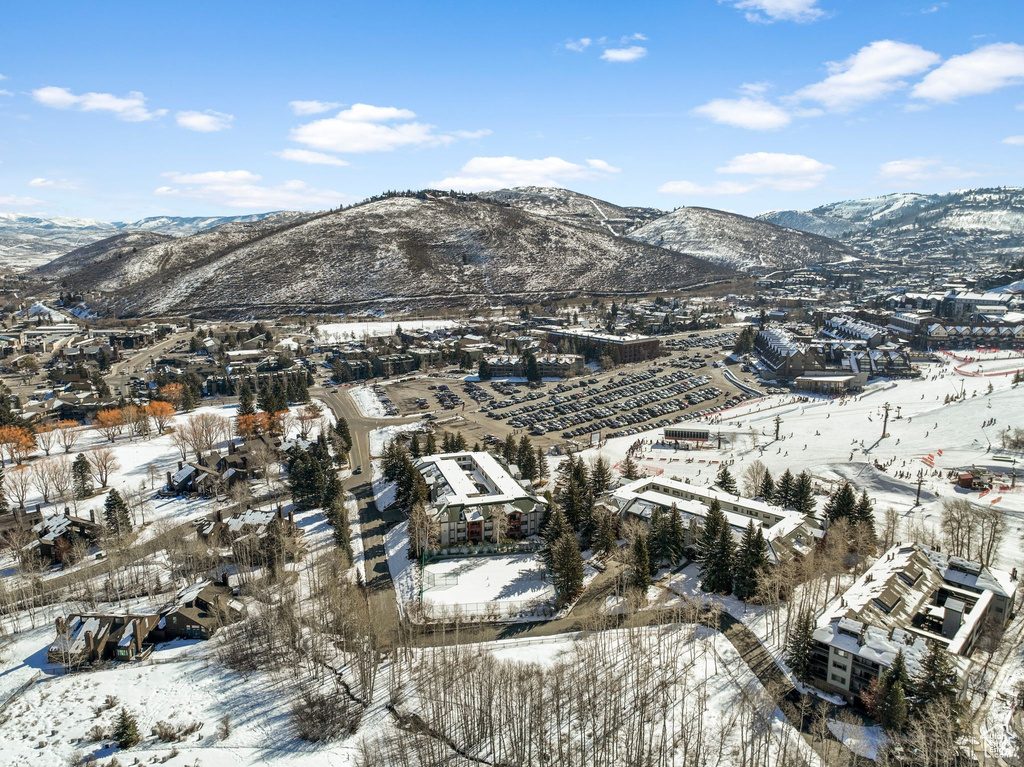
(838, 679)
(840, 666)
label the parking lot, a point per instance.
(625, 401)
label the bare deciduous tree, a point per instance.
(104, 462)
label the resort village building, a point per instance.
(467, 492)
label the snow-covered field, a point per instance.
(511, 583)
(355, 331)
(367, 401)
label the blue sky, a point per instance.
(123, 110)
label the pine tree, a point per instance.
(532, 370)
(641, 564)
(803, 494)
(246, 400)
(715, 553)
(767, 490)
(936, 681)
(526, 459)
(116, 514)
(841, 504)
(188, 399)
(126, 730)
(555, 528)
(628, 468)
(604, 535)
(725, 481)
(566, 568)
(82, 475)
(484, 371)
(750, 561)
(784, 489)
(542, 464)
(660, 546)
(431, 444)
(801, 646)
(894, 708)
(677, 533)
(600, 476)
(414, 446)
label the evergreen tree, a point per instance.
(725, 481)
(629, 469)
(246, 400)
(751, 559)
(526, 459)
(555, 528)
(344, 435)
(414, 446)
(604, 535)
(600, 476)
(509, 450)
(542, 464)
(431, 444)
(337, 516)
(532, 370)
(484, 371)
(566, 568)
(893, 708)
(784, 489)
(767, 490)
(800, 647)
(660, 545)
(82, 476)
(676, 533)
(116, 514)
(715, 551)
(803, 494)
(272, 547)
(936, 681)
(864, 513)
(841, 504)
(126, 730)
(641, 564)
(188, 399)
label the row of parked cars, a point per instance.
(724, 340)
(389, 407)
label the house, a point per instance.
(467, 492)
(199, 610)
(911, 596)
(196, 612)
(92, 637)
(57, 534)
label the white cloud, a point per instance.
(934, 8)
(497, 172)
(3, 77)
(767, 11)
(5, 92)
(14, 201)
(872, 72)
(987, 69)
(242, 189)
(767, 170)
(130, 108)
(310, 157)
(920, 169)
(1014, 140)
(749, 113)
(619, 55)
(579, 45)
(312, 107)
(204, 122)
(367, 128)
(51, 183)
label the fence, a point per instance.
(457, 551)
(498, 610)
(439, 581)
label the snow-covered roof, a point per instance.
(469, 479)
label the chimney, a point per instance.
(137, 635)
(88, 644)
(181, 465)
(291, 518)
(280, 512)
(60, 625)
(231, 447)
(219, 516)
(67, 512)
(92, 516)
(168, 480)
(39, 509)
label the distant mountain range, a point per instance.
(398, 251)
(971, 222)
(530, 242)
(28, 241)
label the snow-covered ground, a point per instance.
(511, 584)
(355, 331)
(367, 401)
(835, 439)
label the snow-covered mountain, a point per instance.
(397, 251)
(28, 241)
(572, 207)
(982, 222)
(737, 241)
